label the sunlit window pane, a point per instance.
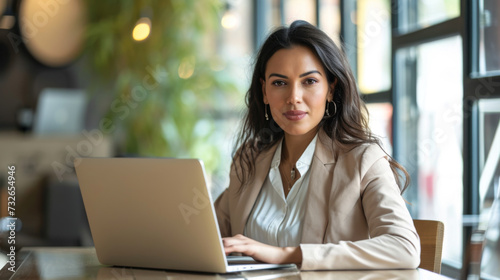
(439, 99)
(233, 61)
(381, 123)
(300, 9)
(430, 134)
(489, 38)
(431, 11)
(416, 14)
(329, 18)
(237, 31)
(374, 45)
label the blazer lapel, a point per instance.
(251, 191)
(318, 192)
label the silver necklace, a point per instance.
(292, 178)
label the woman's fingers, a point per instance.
(258, 251)
(239, 244)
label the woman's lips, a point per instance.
(294, 115)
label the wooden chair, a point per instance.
(431, 242)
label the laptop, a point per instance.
(154, 213)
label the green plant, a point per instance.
(164, 87)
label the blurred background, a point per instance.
(167, 79)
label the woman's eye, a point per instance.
(310, 81)
(278, 83)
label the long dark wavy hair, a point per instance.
(347, 126)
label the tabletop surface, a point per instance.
(81, 263)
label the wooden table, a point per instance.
(71, 263)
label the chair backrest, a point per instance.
(431, 242)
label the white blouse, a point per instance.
(276, 220)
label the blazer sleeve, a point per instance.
(393, 243)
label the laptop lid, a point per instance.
(153, 213)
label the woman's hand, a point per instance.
(260, 251)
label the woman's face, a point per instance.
(296, 89)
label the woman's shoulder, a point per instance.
(347, 153)
(362, 156)
(365, 150)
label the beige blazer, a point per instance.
(355, 216)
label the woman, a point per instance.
(309, 183)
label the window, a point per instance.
(270, 14)
(300, 9)
(416, 14)
(488, 41)
(489, 183)
(374, 45)
(329, 19)
(233, 61)
(380, 123)
(431, 127)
